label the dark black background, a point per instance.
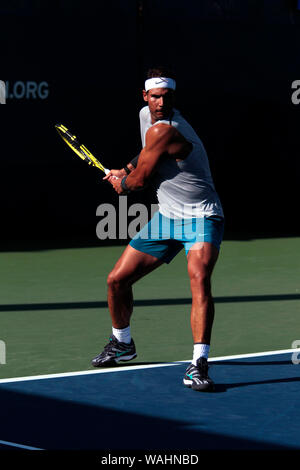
(235, 63)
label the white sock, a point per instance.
(122, 334)
(200, 350)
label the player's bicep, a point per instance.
(157, 143)
(158, 139)
(148, 161)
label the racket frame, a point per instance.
(80, 150)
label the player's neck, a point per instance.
(165, 118)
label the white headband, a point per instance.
(160, 82)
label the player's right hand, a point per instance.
(113, 174)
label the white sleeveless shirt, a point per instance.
(184, 189)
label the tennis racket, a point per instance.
(79, 149)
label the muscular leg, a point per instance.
(131, 266)
(201, 261)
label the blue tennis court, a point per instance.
(255, 406)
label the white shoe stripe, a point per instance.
(124, 358)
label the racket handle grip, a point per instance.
(106, 171)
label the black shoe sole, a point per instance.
(113, 362)
(205, 388)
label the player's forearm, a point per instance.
(134, 161)
(146, 161)
(135, 181)
(123, 171)
(130, 166)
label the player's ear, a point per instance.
(145, 96)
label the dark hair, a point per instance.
(160, 71)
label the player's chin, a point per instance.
(161, 115)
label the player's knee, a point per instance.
(115, 281)
(200, 279)
(112, 281)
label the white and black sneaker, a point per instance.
(196, 377)
(115, 352)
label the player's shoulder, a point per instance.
(162, 126)
(161, 130)
(144, 112)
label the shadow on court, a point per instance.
(50, 423)
(219, 388)
(254, 363)
(253, 408)
(11, 245)
(145, 303)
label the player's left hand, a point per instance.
(116, 183)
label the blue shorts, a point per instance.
(164, 238)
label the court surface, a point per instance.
(54, 319)
(255, 406)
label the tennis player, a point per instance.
(2, 92)
(190, 215)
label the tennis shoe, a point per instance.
(196, 377)
(115, 352)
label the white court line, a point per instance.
(86, 372)
(20, 446)
(137, 367)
